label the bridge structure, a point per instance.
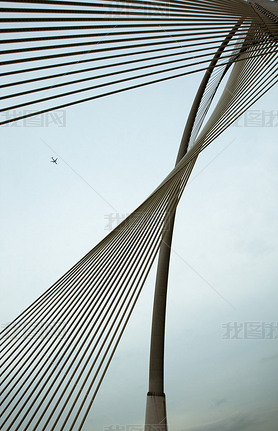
(98, 49)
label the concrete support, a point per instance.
(156, 413)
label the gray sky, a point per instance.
(111, 154)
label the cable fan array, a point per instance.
(56, 353)
(56, 54)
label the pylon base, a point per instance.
(156, 418)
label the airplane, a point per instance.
(54, 160)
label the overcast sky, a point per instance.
(111, 154)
